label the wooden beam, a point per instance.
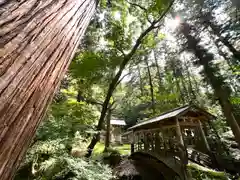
(179, 133)
(185, 118)
(188, 124)
(167, 127)
(157, 129)
(203, 136)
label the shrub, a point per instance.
(50, 160)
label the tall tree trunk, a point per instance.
(140, 80)
(230, 64)
(151, 85)
(224, 55)
(220, 91)
(217, 31)
(185, 89)
(182, 97)
(108, 129)
(38, 40)
(190, 89)
(158, 72)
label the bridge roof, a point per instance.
(177, 112)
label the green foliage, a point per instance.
(235, 100)
(150, 41)
(65, 119)
(86, 63)
(52, 160)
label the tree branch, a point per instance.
(135, 4)
(122, 78)
(89, 101)
(142, 8)
(121, 50)
(164, 13)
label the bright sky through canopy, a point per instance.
(117, 15)
(173, 23)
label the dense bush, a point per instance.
(48, 160)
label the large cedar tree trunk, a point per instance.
(38, 38)
(220, 89)
(216, 30)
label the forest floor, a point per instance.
(122, 149)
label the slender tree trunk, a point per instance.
(182, 98)
(158, 72)
(217, 84)
(190, 83)
(111, 89)
(108, 129)
(196, 86)
(140, 81)
(185, 89)
(115, 80)
(151, 85)
(37, 41)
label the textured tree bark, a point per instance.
(182, 97)
(190, 86)
(151, 85)
(38, 38)
(108, 138)
(140, 80)
(158, 72)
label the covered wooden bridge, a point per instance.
(177, 136)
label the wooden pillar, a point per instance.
(132, 141)
(213, 157)
(151, 141)
(146, 141)
(120, 135)
(138, 143)
(157, 141)
(203, 135)
(179, 133)
(132, 148)
(183, 155)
